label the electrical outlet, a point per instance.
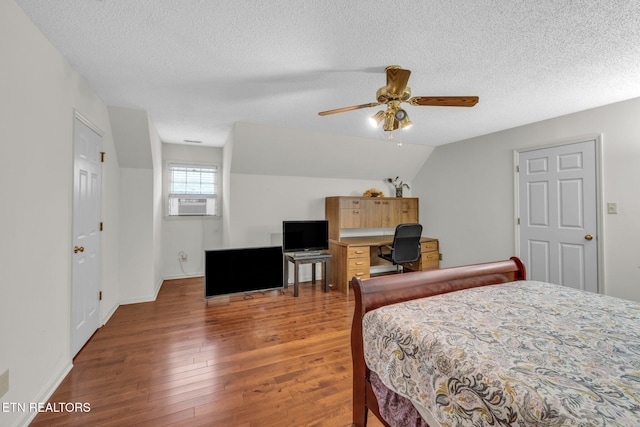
(182, 256)
(4, 383)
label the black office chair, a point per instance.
(405, 247)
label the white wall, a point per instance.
(136, 274)
(192, 235)
(227, 197)
(139, 150)
(156, 154)
(40, 92)
(466, 191)
(268, 150)
(140, 261)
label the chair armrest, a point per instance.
(384, 246)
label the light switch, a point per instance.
(612, 208)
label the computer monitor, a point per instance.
(305, 236)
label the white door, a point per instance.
(85, 288)
(557, 211)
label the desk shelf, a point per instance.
(346, 212)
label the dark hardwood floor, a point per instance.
(263, 359)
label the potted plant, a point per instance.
(399, 185)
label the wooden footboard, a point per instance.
(380, 291)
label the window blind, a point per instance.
(192, 180)
(192, 190)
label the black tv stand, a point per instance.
(298, 258)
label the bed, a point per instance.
(480, 345)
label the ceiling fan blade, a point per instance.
(445, 101)
(343, 109)
(397, 79)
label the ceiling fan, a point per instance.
(396, 92)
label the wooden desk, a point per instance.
(305, 259)
(354, 256)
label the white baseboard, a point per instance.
(183, 276)
(136, 300)
(109, 314)
(158, 286)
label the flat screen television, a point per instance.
(224, 271)
(305, 236)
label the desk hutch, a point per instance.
(354, 256)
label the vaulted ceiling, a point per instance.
(198, 66)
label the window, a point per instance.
(192, 190)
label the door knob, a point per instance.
(588, 237)
(77, 249)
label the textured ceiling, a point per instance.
(198, 66)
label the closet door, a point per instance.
(85, 286)
(558, 215)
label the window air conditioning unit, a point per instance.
(192, 206)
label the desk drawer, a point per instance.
(358, 252)
(429, 246)
(430, 260)
(431, 256)
(359, 263)
(349, 203)
(362, 273)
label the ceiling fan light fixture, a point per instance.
(403, 118)
(389, 123)
(406, 123)
(377, 118)
(400, 115)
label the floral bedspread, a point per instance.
(518, 354)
